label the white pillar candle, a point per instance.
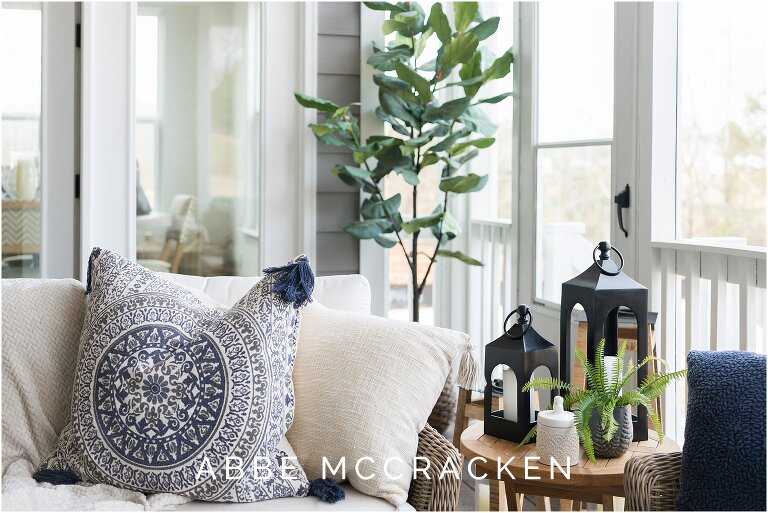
(609, 363)
(510, 394)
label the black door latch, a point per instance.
(622, 202)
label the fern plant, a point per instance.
(603, 395)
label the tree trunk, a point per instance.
(415, 296)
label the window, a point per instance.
(572, 142)
(721, 168)
(21, 105)
(197, 137)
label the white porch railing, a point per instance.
(492, 288)
(709, 298)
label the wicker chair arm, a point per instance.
(651, 482)
(428, 492)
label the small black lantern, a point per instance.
(601, 290)
(522, 350)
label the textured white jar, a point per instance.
(556, 436)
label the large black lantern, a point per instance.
(521, 350)
(602, 290)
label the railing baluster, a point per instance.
(494, 279)
(667, 339)
(715, 268)
(743, 271)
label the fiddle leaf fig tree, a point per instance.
(432, 103)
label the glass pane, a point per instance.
(196, 138)
(575, 81)
(574, 206)
(21, 85)
(722, 121)
(495, 200)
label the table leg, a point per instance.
(567, 504)
(514, 501)
(543, 503)
(607, 502)
(494, 489)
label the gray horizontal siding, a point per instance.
(338, 79)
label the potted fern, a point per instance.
(602, 411)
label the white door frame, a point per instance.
(58, 141)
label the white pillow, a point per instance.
(364, 387)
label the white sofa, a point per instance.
(41, 324)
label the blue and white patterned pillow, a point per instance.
(168, 390)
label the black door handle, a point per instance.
(622, 202)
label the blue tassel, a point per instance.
(294, 282)
(327, 490)
(56, 477)
(94, 254)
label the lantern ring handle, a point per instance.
(528, 314)
(606, 271)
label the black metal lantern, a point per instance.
(522, 350)
(601, 290)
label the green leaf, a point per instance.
(485, 29)
(477, 143)
(458, 255)
(429, 159)
(333, 136)
(396, 107)
(496, 99)
(467, 157)
(476, 119)
(464, 13)
(385, 241)
(311, 102)
(439, 23)
(472, 75)
(449, 228)
(419, 83)
(460, 50)
(384, 6)
(408, 174)
(421, 42)
(375, 209)
(385, 60)
(394, 123)
(447, 111)
(422, 222)
(367, 229)
(463, 184)
(389, 160)
(500, 67)
(390, 82)
(357, 172)
(450, 140)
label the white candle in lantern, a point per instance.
(609, 363)
(510, 394)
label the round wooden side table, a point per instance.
(597, 482)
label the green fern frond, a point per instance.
(653, 385)
(618, 368)
(574, 397)
(656, 424)
(609, 424)
(547, 383)
(526, 439)
(582, 413)
(600, 366)
(632, 369)
(589, 370)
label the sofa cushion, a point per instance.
(365, 386)
(723, 464)
(169, 393)
(42, 321)
(350, 292)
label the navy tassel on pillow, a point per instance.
(327, 490)
(56, 477)
(294, 282)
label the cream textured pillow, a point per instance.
(364, 387)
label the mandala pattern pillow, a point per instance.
(171, 395)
